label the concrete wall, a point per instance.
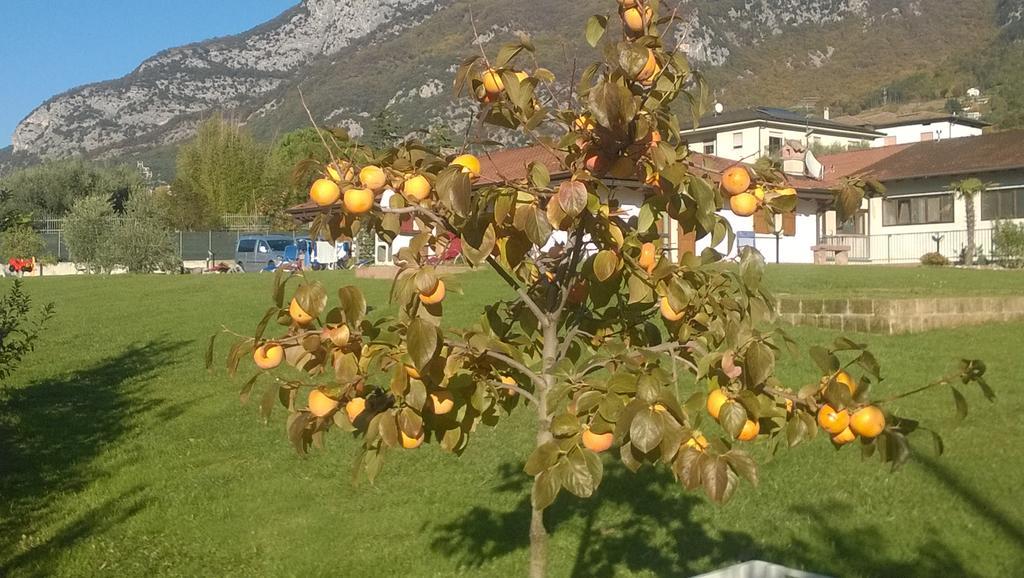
(894, 316)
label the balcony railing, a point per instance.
(909, 247)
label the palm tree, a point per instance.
(967, 190)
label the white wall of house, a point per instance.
(748, 142)
(795, 249)
(918, 132)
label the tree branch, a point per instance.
(516, 389)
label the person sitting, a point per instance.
(270, 267)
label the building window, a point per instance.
(918, 210)
(890, 140)
(774, 145)
(737, 140)
(1008, 204)
(927, 135)
(709, 148)
(762, 224)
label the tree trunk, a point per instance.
(971, 247)
(539, 534)
(538, 545)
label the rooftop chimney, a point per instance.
(827, 114)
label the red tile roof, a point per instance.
(847, 163)
(513, 164)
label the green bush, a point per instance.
(86, 230)
(17, 331)
(21, 242)
(1008, 244)
(138, 240)
(934, 260)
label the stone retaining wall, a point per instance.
(893, 316)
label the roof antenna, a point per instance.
(719, 108)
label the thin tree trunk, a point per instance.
(538, 533)
(971, 247)
(538, 545)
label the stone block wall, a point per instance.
(895, 316)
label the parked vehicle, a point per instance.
(255, 251)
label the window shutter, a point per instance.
(762, 225)
(789, 224)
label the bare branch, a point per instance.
(516, 389)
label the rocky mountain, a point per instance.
(351, 58)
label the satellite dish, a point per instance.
(719, 109)
(813, 167)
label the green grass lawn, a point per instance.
(120, 455)
(892, 282)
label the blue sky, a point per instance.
(49, 46)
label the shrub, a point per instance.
(934, 260)
(86, 231)
(21, 242)
(17, 331)
(1008, 244)
(141, 242)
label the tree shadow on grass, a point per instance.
(52, 431)
(645, 522)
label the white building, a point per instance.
(749, 134)
(916, 127)
(921, 212)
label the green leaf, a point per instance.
(605, 264)
(596, 25)
(645, 431)
(796, 431)
(539, 175)
(269, 397)
(545, 489)
(565, 425)
(209, 351)
(353, 303)
(751, 267)
(297, 423)
(612, 105)
(743, 465)
(733, 417)
(542, 458)
(715, 475)
(506, 53)
(538, 229)
(244, 394)
(423, 342)
(477, 245)
(828, 362)
(577, 477)
(280, 281)
(687, 467)
(758, 363)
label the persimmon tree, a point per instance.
(606, 339)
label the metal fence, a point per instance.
(192, 245)
(909, 247)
